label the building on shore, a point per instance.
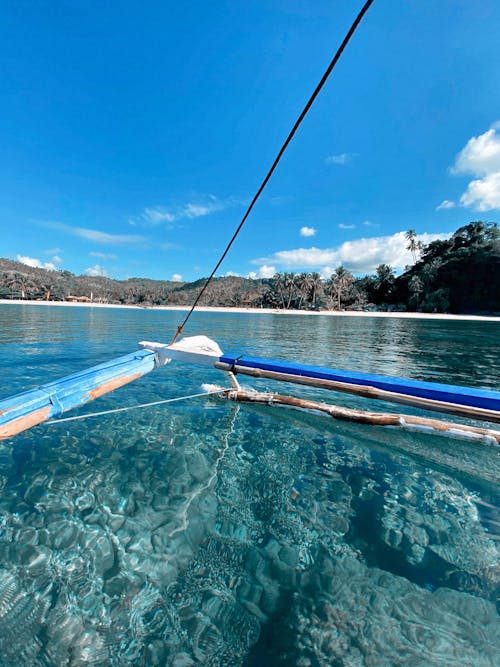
(78, 299)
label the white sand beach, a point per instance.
(260, 311)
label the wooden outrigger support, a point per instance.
(35, 406)
(407, 422)
(464, 401)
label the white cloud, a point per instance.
(446, 203)
(344, 226)
(95, 271)
(176, 277)
(36, 263)
(360, 256)
(301, 257)
(481, 158)
(307, 231)
(95, 235)
(369, 223)
(326, 271)
(264, 271)
(56, 259)
(341, 158)
(483, 194)
(103, 255)
(231, 274)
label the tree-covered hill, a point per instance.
(457, 275)
(19, 281)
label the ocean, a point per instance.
(205, 532)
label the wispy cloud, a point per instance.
(307, 231)
(446, 203)
(361, 256)
(156, 215)
(96, 235)
(37, 264)
(176, 277)
(278, 200)
(480, 157)
(95, 271)
(344, 226)
(103, 255)
(197, 208)
(369, 223)
(168, 246)
(340, 159)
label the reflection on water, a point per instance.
(211, 534)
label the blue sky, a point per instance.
(133, 134)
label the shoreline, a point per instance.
(263, 311)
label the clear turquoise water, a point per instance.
(207, 533)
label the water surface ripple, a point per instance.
(208, 533)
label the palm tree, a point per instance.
(384, 282)
(25, 283)
(14, 282)
(429, 271)
(416, 287)
(290, 288)
(339, 285)
(278, 287)
(303, 286)
(413, 245)
(316, 286)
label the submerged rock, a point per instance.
(363, 615)
(437, 516)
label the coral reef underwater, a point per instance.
(223, 536)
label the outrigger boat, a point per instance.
(51, 400)
(36, 406)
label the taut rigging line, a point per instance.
(278, 157)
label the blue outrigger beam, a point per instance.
(33, 407)
(478, 403)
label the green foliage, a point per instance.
(384, 284)
(459, 275)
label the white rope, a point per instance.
(219, 390)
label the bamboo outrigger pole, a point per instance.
(453, 399)
(409, 422)
(35, 406)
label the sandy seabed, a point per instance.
(261, 311)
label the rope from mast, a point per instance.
(278, 157)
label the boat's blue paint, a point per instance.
(32, 407)
(457, 395)
(52, 399)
